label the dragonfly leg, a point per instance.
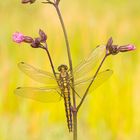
(61, 94)
(75, 92)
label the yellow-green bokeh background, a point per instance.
(113, 112)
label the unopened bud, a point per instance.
(43, 36)
(36, 43)
(28, 39)
(113, 49)
(109, 43)
(110, 48)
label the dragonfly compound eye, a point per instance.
(62, 66)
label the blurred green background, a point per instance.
(113, 111)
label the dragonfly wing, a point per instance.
(37, 74)
(81, 85)
(89, 63)
(44, 94)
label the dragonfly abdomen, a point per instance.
(65, 89)
(68, 110)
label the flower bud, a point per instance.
(113, 49)
(110, 48)
(36, 43)
(43, 36)
(28, 1)
(109, 43)
(28, 39)
(126, 48)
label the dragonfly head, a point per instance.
(62, 68)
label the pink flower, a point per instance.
(131, 47)
(18, 37)
(126, 48)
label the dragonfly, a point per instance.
(60, 87)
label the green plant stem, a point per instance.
(71, 71)
(94, 77)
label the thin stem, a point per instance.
(51, 62)
(55, 4)
(65, 35)
(75, 125)
(71, 70)
(50, 59)
(86, 92)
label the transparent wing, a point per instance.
(88, 64)
(81, 85)
(44, 94)
(37, 74)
